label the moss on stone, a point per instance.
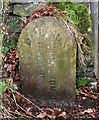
(77, 13)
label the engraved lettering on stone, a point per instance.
(52, 59)
(27, 41)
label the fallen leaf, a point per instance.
(41, 115)
(89, 110)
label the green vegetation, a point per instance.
(2, 86)
(82, 82)
(77, 13)
(7, 83)
(4, 49)
(77, 92)
(21, 118)
(7, 44)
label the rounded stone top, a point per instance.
(47, 52)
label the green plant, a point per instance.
(77, 92)
(2, 86)
(7, 45)
(21, 118)
(77, 13)
(2, 90)
(4, 49)
(82, 82)
(11, 85)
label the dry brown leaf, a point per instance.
(86, 94)
(41, 115)
(49, 110)
(89, 110)
(28, 113)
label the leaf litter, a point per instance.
(14, 104)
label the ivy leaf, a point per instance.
(77, 92)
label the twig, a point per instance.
(6, 114)
(27, 100)
(19, 105)
(14, 98)
(18, 113)
(15, 112)
(87, 94)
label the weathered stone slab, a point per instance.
(47, 52)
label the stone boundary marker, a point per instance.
(47, 54)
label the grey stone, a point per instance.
(93, 85)
(27, 9)
(21, 10)
(21, 1)
(47, 54)
(90, 69)
(13, 23)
